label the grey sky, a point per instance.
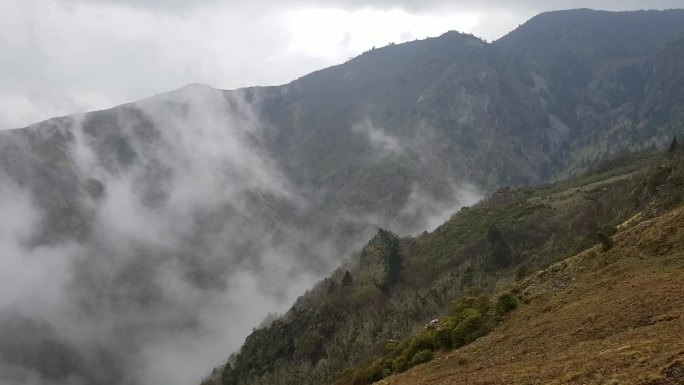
(66, 56)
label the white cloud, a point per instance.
(169, 285)
(59, 58)
(378, 139)
(315, 31)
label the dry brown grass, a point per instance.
(597, 318)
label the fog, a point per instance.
(141, 245)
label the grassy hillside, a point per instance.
(359, 325)
(612, 317)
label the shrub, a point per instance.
(475, 300)
(368, 375)
(522, 272)
(425, 340)
(505, 303)
(400, 364)
(443, 332)
(470, 328)
(377, 371)
(422, 357)
(399, 348)
(443, 338)
(606, 241)
(390, 347)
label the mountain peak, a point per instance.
(577, 29)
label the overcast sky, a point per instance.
(61, 57)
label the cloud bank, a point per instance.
(178, 263)
(142, 244)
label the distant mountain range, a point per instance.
(245, 197)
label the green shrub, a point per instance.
(399, 348)
(475, 300)
(469, 329)
(422, 357)
(505, 303)
(400, 364)
(606, 241)
(424, 340)
(443, 332)
(522, 272)
(369, 375)
(377, 372)
(443, 338)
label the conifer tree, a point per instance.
(347, 279)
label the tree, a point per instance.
(229, 376)
(673, 145)
(332, 287)
(347, 279)
(392, 257)
(499, 254)
(606, 241)
(467, 277)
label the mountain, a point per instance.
(594, 69)
(362, 330)
(129, 229)
(335, 327)
(186, 218)
(662, 106)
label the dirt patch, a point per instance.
(674, 373)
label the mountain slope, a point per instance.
(595, 68)
(144, 225)
(450, 94)
(663, 104)
(599, 317)
(358, 330)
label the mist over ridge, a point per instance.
(155, 236)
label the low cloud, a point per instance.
(378, 139)
(163, 234)
(410, 5)
(184, 252)
(59, 57)
(431, 212)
